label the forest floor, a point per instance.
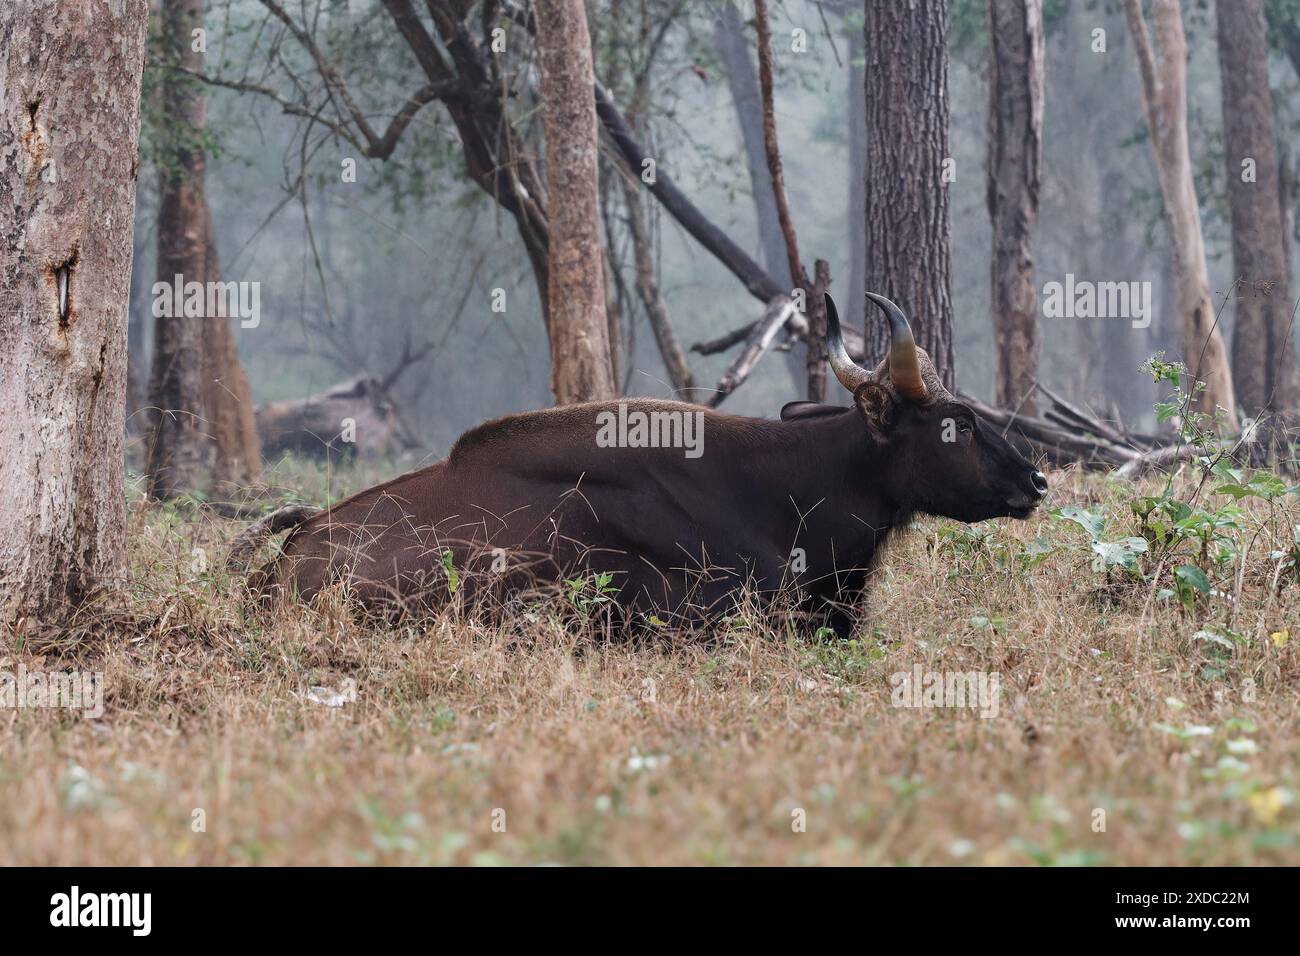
(1125, 726)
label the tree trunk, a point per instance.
(909, 257)
(136, 372)
(580, 360)
(729, 39)
(70, 101)
(853, 312)
(1288, 193)
(228, 412)
(670, 349)
(175, 454)
(734, 52)
(813, 290)
(1263, 354)
(1164, 89)
(1015, 155)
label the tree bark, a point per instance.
(909, 256)
(853, 313)
(1015, 155)
(580, 359)
(175, 444)
(229, 417)
(1263, 351)
(730, 40)
(136, 372)
(1288, 194)
(670, 349)
(1164, 86)
(69, 124)
(814, 305)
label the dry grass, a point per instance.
(680, 752)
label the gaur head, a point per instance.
(944, 459)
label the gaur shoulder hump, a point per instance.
(574, 419)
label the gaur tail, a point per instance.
(247, 541)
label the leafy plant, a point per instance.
(449, 565)
(587, 593)
(1122, 553)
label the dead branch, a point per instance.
(778, 313)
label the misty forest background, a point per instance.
(410, 253)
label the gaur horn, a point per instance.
(849, 372)
(904, 368)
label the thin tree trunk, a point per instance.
(70, 108)
(229, 416)
(175, 447)
(136, 371)
(729, 39)
(814, 306)
(1288, 193)
(670, 349)
(456, 65)
(734, 52)
(1164, 88)
(1015, 154)
(580, 357)
(909, 255)
(1263, 352)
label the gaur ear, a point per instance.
(807, 410)
(877, 406)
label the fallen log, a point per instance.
(1071, 437)
(350, 418)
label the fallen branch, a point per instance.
(778, 313)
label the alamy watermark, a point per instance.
(1084, 299)
(73, 690)
(133, 911)
(197, 300)
(975, 690)
(651, 428)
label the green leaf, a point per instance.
(1220, 637)
(1094, 524)
(1194, 576)
(453, 576)
(1122, 554)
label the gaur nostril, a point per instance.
(1040, 483)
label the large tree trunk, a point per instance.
(909, 256)
(1164, 89)
(853, 313)
(229, 418)
(70, 102)
(1014, 156)
(1015, 148)
(1263, 352)
(580, 360)
(175, 447)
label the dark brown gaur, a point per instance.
(801, 505)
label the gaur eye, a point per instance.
(965, 426)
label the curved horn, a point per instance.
(904, 368)
(850, 373)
